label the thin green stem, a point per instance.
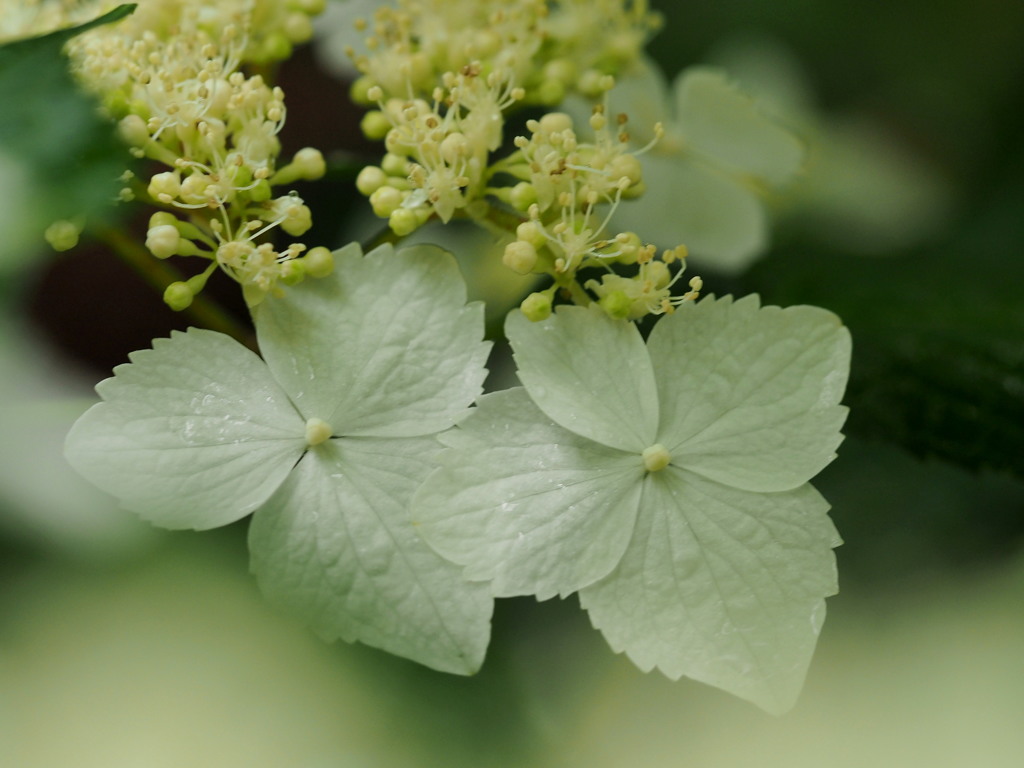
(159, 274)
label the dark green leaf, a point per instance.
(68, 157)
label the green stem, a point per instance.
(159, 275)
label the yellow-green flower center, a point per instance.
(317, 431)
(656, 457)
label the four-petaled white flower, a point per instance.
(707, 177)
(325, 439)
(667, 483)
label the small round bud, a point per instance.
(555, 122)
(194, 188)
(532, 233)
(359, 91)
(536, 307)
(166, 183)
(375, 125)
(310, 163)
(370, 179)
(394, 165)
(163, 241)
(62, 235)
(520, 257)
(298, 219)
(261, 192)
(319, 262)
(403, 221)
(178, 296)
(385, 200)
(522, 196)
(133, 130)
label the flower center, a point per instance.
(317, 431)
(656, 457)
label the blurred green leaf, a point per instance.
(60, 156)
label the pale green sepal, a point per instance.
(750, 395)
(523, 502)
(384, 346)
(718, 120)
(192, 434)
(589, 373)
(335, 545)
(715, 216)
(722, 586)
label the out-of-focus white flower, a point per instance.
(706, 179)
(862, 187)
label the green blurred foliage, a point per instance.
(58, 158)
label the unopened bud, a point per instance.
(164, 185)
(385, 201)
(319, 262)
(163, 241)
(62, 235)
(375, 125)
(520, 257)
(522, 196)
(178, 296)
(370, 179)
(536, 307)
(403, 221)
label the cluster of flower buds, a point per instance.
(443, 76)
(437, 161)
(569, 190)
(549, 49)
(172, 78)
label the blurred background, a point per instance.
(125, 647)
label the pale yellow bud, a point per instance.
(520, 257)
(403, 221)
(62, 235)
(385, 200)
(370, 179)
(319, 262)
(309, 163)
(163, 240)
(164, 187)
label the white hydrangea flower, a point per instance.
(324, 440)
(667, 483)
